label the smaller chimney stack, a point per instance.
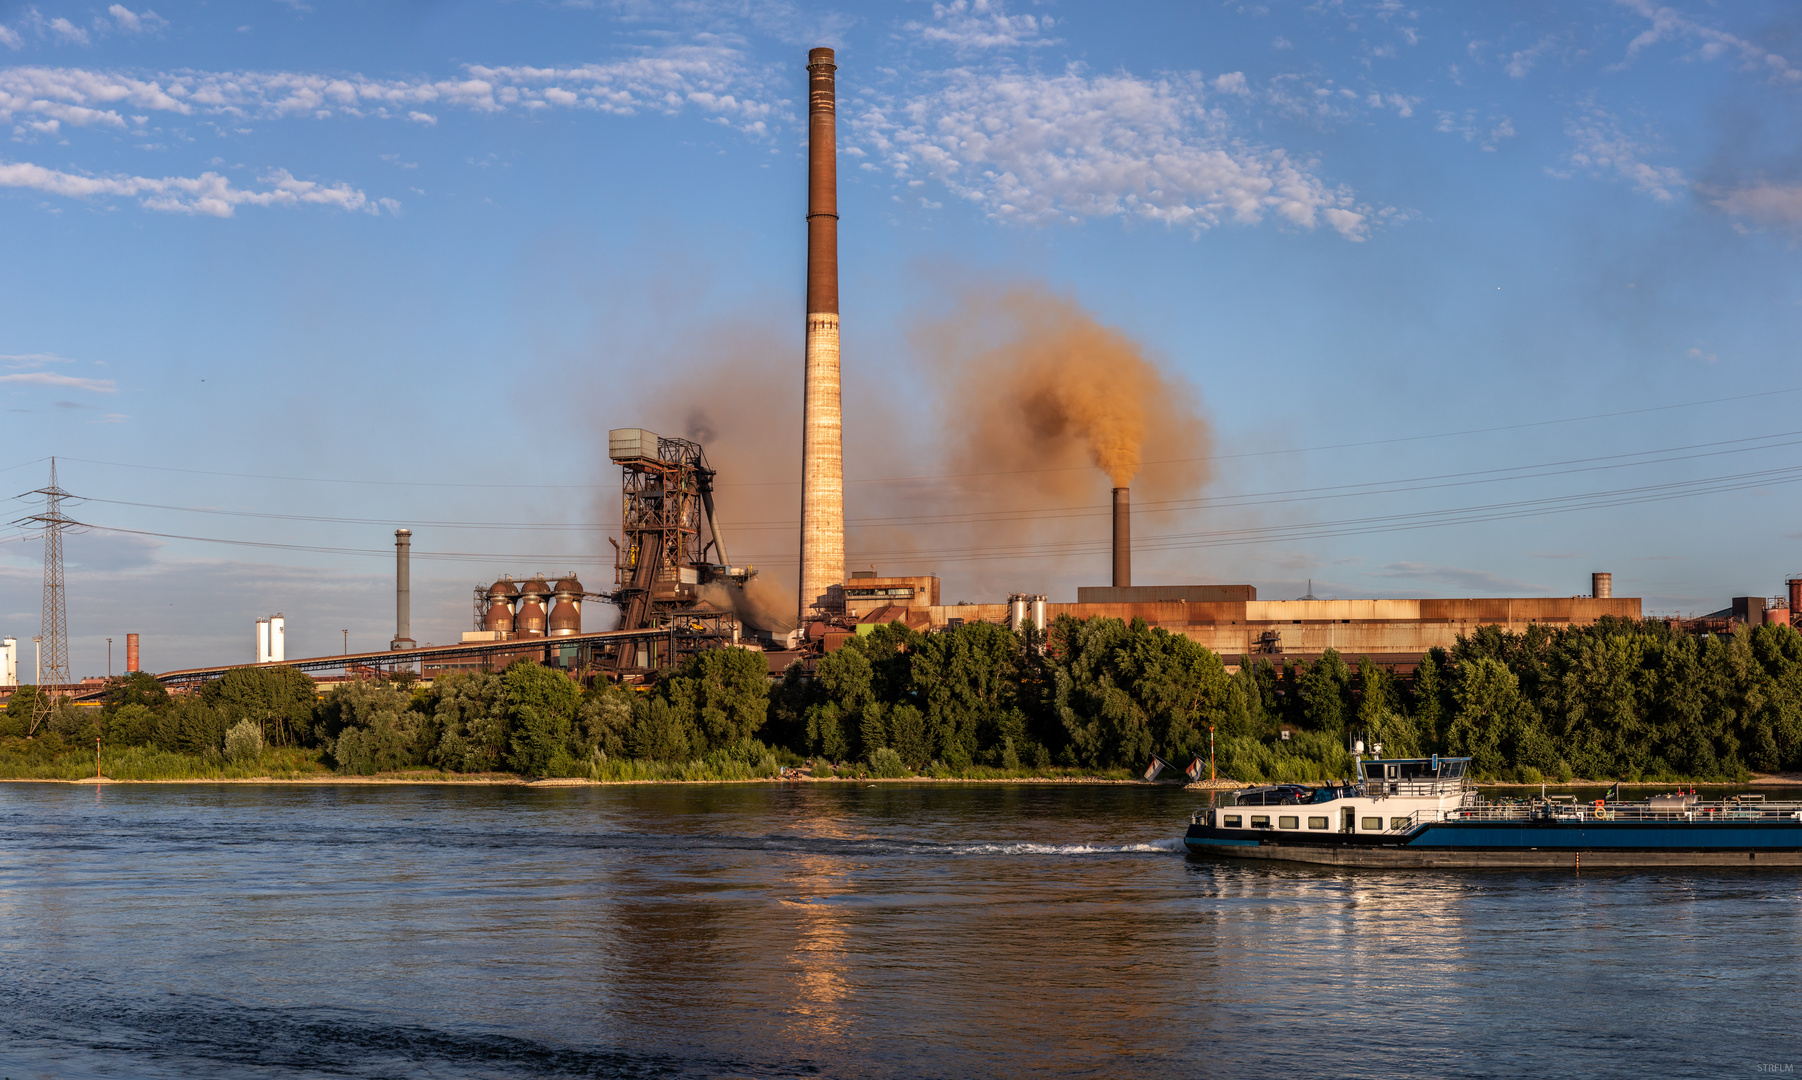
(1123, 539)
(131, 653)
(1795, 601)
(403, 589)
(1601, 586)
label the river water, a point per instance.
(834, 930)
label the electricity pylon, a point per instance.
(53, 658)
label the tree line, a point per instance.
(1621, 699)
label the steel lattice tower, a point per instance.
(53, 667)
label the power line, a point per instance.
(1008, 472)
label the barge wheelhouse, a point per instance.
(1425, 812)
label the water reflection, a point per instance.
(901, 930)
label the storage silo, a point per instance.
(9, 661)
(566, 608)
(278, 638)
(262, 641)
(501, 597)
(530, 619)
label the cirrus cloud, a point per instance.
(1037, 148)
(209, 193)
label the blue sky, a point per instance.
(300, 273)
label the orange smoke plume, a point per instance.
(1035, 388)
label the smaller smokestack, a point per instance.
(1123, 539)
(131, 653)
(1601, 586)
(403, 590)
(1795, 601)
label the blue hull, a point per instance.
(1523, 844)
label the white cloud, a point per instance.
(209, 193)
(1233, 82)
(1604, 149)
(65, 31)
(19, 360)
(1770, 204)
(130, 22)
(1522, 62)
(714, 80)
(1040, 148)
(1703, 356)
(972, 25)
(1485, 133)
(1669, 24)
(422, 118)
(50, 378)
(10, 38)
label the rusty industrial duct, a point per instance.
(822, 430)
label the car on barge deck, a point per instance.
(1425, 812)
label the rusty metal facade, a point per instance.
(822, 434)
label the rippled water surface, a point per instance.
(834, 930)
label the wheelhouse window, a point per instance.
(1235, 821)
(1372, 824)
(1260, 821)
(1288, 821)
(1317, 823)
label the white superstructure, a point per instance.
(9, 661)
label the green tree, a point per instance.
(1325, 691)
(377, 727)
(131, 724)
(723, 694)
(281, 699)
(604, 718)
(134, 688)
(468, 728)
(541, 710)
(966, 681)
(1126, 692)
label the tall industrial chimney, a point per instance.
(822, 425)
(131, 653)
(1123, 539)
(1601, 586)
(1795, 601)
(403, 590)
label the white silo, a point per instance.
(9, 661)
(262, 641)
(278, 638)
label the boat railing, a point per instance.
(1729, 810)
(1423, 788)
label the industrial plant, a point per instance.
(676, 590)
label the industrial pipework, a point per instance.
(1123, 539)
(822, 428)
(403, 591)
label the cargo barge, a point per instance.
(1424, 812)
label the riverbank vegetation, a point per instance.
(1618, 700)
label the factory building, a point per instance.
(1233, 622)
